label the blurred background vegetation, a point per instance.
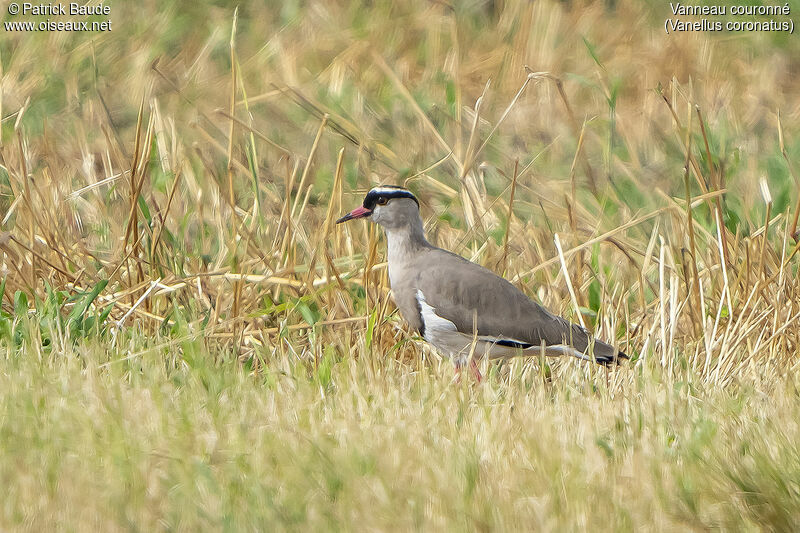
(167, 190)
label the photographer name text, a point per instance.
(56, 10)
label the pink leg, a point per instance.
(473, 369)
(476, 372)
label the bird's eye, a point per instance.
(382, 200)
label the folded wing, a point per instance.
(501, 312)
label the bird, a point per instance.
(462, 309)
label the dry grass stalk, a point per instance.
(510, 215)
(696, 304)
(716, 178)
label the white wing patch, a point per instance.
(434, 324)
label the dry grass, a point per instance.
(189, 342)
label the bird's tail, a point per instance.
(594, 349)
(605, 354)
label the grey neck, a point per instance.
(406, 240)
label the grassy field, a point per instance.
(187, 342)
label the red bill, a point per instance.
(358, 212)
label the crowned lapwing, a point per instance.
(459, 307)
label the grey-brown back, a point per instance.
(467, 295)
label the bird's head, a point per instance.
(390, 206)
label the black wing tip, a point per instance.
(609, 361)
